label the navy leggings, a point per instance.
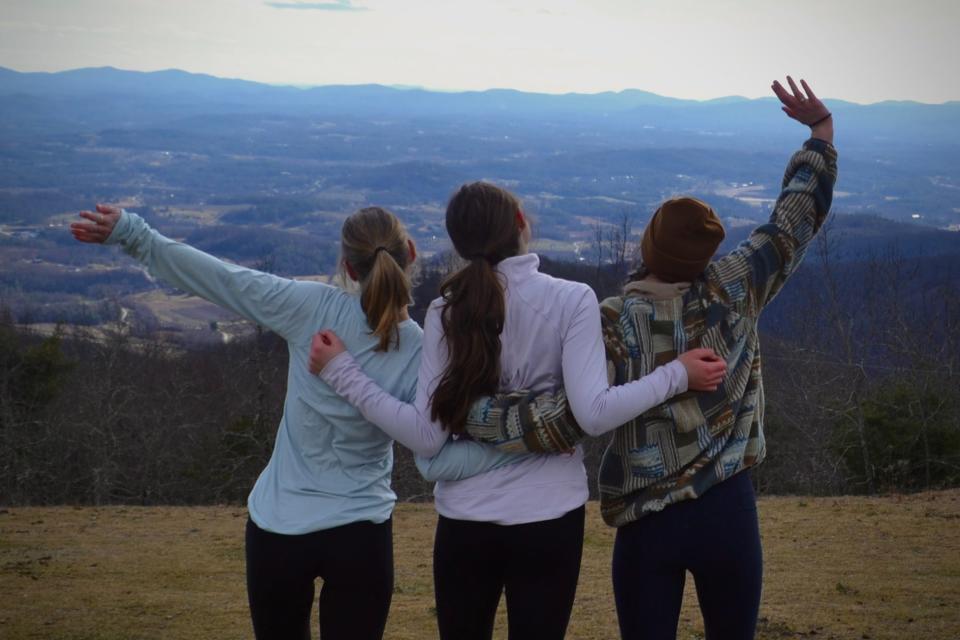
(717, 538)
(355, 562)
(536, 565)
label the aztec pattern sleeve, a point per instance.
(524, 421)
(750, 276)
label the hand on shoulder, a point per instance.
(326, 345)
(705, 369)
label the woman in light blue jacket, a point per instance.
(322, 506)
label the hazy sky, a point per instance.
(860, 50)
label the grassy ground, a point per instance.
(839, 568)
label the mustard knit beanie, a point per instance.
(681, 238)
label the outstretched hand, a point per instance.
(325, 347)
(705, 369)
(100, 226)
(804, 106)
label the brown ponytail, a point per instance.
(375, 244)
(482, 223)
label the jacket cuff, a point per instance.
(818, 145)
(678, 376)
(339, 364)
(122, 229)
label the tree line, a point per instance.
(861, 366)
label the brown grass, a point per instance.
(835, 568)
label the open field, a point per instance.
(836, 568)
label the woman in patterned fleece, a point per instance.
(501, 324)
(322, 506)
(673, 481)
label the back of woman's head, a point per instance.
(376, 247)
(483, 224)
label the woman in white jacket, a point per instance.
(501, 325)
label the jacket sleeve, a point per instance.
(751, 275)
(525, 421)
(274, 302)
(545, 422)
(460, 459)
(408, 424)
(599, 407)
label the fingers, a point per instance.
(106, 208)
(796, 90)
(706, 369)
(716, 368)
(106, 220)
(714, 378)
(810, 94)
(96, 231)
(91, 239)
(324, 346)
(331, 339)
(783, 94)
(318, 347)
(703, 353)
(86, 232)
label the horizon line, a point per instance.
(408, 87)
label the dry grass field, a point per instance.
(836, 568)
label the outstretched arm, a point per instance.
(266, 299)
(754, 273)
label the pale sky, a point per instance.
(859, 50)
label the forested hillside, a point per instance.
(861, 362)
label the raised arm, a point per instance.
(269, 300)
(754, 273)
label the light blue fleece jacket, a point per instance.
(329, 466)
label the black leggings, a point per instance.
(717, 538)
(536, 564)
(355, 562)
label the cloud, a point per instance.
(336, 5)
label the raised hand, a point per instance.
(803, 106)
(705, 369)
(326, 345)
(100, 226)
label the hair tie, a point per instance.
(379, 249)
(823, 119)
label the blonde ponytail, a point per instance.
(376, 246)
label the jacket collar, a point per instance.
(518, 266)
(656, 290)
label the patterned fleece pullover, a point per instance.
(681, 448)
